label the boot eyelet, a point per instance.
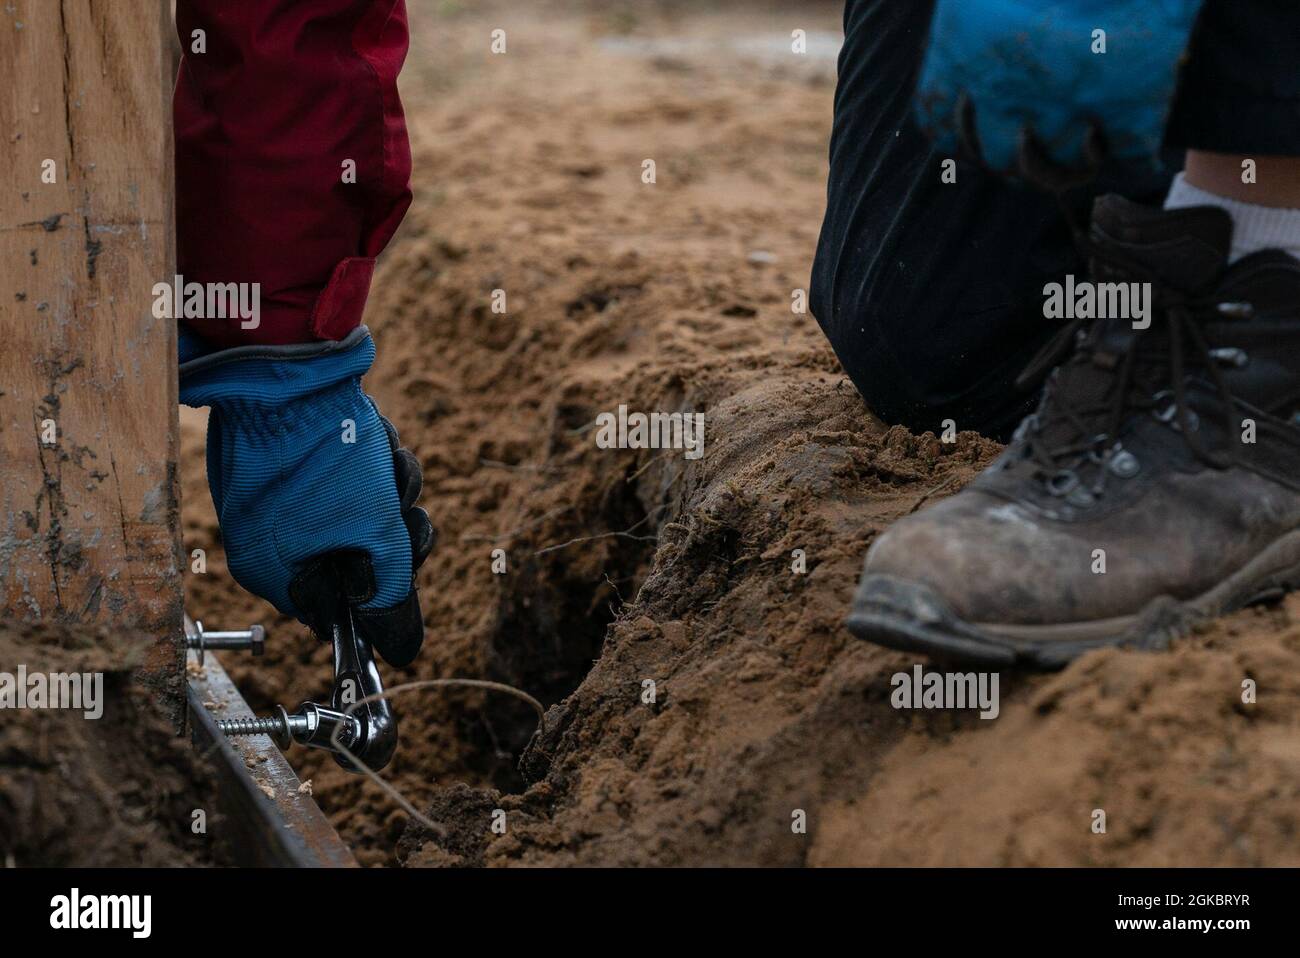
(1193, 421)
(1062, 483)
(1169, 416)
(1081, 497)
(1236, 310)
(1167, 413)
(1230, 356)
(1125, 465)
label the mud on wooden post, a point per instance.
(89, 522)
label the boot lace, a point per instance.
(1149, 375)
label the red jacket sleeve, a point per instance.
(292, 161)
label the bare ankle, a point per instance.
(1262, 180)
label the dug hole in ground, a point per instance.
(628, 566)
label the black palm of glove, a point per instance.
(397, 631)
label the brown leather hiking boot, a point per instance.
(1157, 483)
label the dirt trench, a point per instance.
(722, 581)
(766, 715)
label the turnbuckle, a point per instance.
(368, 731)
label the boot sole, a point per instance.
(905, 615)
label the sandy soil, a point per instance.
(630, 567)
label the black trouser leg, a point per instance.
(930, 293)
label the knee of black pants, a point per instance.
(931, 294)
(931, 365)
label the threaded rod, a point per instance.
(251, 725)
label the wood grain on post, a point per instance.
(89, 522)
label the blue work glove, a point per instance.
(1017, 84)
(315, 498)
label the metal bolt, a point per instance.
(253, 639)
(312, 725)
(276, 726)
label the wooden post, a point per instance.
(89, 493)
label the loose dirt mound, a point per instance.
(118, 790)
(1186, 772)
(766, 713)
(628, 567)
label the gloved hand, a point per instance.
(315, 498)
(1017, 83)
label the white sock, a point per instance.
(1253, 227)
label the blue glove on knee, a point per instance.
(1001, 76)
(316, 500)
